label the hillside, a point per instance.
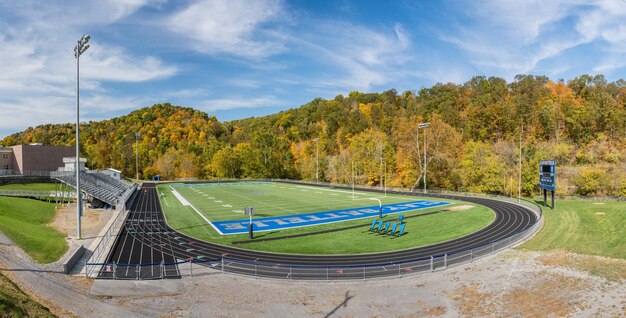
(473, 140)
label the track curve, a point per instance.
(147, 238)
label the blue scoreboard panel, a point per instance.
(547, 175)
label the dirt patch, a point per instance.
(547, 295)
(435, 311)
(92, 222)
(609, 268)
(459, 207)
(472, 302)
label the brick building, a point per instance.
(25, 159)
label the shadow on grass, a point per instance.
(368, 225)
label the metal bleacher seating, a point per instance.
(96, 185)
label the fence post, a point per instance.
(190, 268)
(327, 279)
(291, 272)
(255, 269)
(114, 270)
(162, 268)
(493, 247)
(471, 255)
(445, 260)
(222, 265)
(138, 271)
(363, 272)
(431, 263)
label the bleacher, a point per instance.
(97, 185)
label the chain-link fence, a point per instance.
(437, 262)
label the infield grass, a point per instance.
(593, 228)
(227, 201)
(25, 222)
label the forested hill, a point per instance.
(472, 142)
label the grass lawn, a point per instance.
(593, 228)
(28, 186)
(25, 222)
(15, 303)
(226, 202)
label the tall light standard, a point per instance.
(137, 156)
(424, 126)
(79, 49)
(317, 162)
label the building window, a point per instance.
(6, 167)
(5, 156)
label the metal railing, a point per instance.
(195, 268)
(436, 262)
(94, 263)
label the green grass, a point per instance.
(28, 186)
(25, 221)
(15, 303)
(593, 228)
(284, 199)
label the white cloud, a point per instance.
(366, 57)
(234, 27)
(513, 37)
(39, 70)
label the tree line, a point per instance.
(473, 142)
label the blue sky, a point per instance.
(236, 59)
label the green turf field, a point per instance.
(226, 202)
(586, 227)
(25, 221)
(28, 186)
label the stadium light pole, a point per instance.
(317, 162)
(80, 48)
(137, 156)
(424, 126)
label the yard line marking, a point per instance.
(227, 205)
(183, 201)
(238, 211)
(218, 201)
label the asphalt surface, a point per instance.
(147, 239)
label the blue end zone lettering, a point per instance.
(317, 218)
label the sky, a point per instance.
(237, 59)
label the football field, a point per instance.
(215, 212)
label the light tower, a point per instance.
(79, 49)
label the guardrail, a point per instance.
(437, 262)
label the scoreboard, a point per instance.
(547, 175)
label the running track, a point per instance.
(146, 238)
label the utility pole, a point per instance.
(137, 156)
(317, 162)
(519, 187)
(424, 126)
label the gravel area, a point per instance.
(514, 283)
